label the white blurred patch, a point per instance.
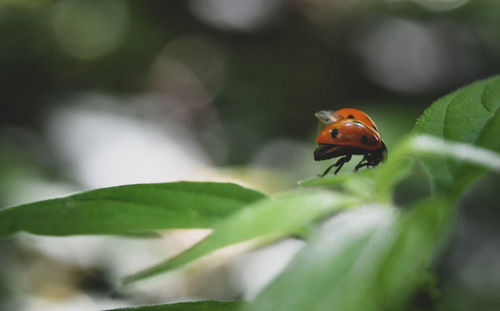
(209, 277)
(75, 302)
(352, 225)
(103, 145)
(114, 252)
(243, 15)
(253, 271)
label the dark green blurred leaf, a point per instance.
(189, 306)
(366, 259)
(469, 115)
(129, 209)
(269, 219)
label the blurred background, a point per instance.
(102, 93)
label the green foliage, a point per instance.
(373, 256)
(358, 261)
(129, 209)
(268, 220)
(469, 115)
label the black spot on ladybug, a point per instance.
(334, 133)
(364, 139)
(350, 116)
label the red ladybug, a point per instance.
(346, 132)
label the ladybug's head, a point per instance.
(374, 157)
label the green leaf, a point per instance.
(469, 115)
(365, 259)
(334, 180)
(189, 306)
(129, 209)
(424, 145)
(268, 219)
(374, 184)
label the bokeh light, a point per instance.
(90, 29)
(239, 15)
(414, 57)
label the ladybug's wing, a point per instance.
(328, 116)
(351, 113)
(350, 133)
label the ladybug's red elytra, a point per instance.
(347, 132)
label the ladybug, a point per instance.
(346, 132)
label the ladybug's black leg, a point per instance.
(327, 170)
(341, 163)
(337, 164)
(361, 164)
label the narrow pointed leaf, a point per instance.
(129, 209)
